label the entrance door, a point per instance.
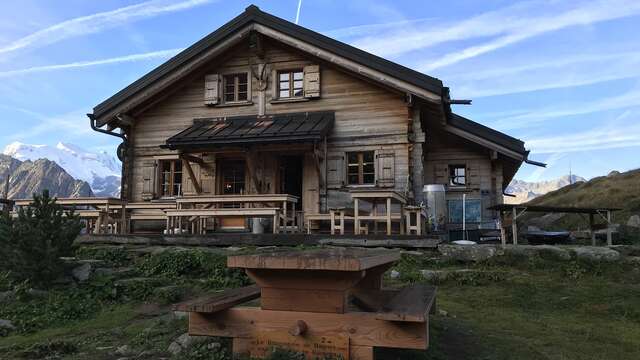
(291, 176)
(232, 181)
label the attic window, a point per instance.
(290, 83)
(236, 87)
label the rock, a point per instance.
(592, 253)
(633, 260)
(394, 274)
(434, 275)
(634, 221)
(6, 325)
(37, 293)
(123, 350)
(543, 251)
(467, 253)
(613, 173)
(234, 248)
(185, 341)
(82, 272)
(443, 313)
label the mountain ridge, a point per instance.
(525, 191)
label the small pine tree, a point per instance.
(37, 238)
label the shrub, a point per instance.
(194, 264)
(32, 244)
(50, 350)
(114, 256)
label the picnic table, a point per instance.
(322, 302)
(244, 205)
(375, 197)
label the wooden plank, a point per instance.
(224, 212)
(320, 301)
(319, 259)
(221, 301)
(411, 304)
(363, 329)
(192, 176)
(332, 347)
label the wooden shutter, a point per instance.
(149, 180)
(312, 81)
(386, 166)
(211, 87)
(335, 171)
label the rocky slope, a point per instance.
(100, 170)
(29, 177)
(527, 191)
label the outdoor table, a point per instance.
(375, 196)
(286, 201)
(322, 302)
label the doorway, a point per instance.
(291, 176)
(232, 182)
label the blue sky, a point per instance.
(562, 75)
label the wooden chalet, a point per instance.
(264, 119)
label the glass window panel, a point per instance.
(297, 75)
(297, 84)
(242, 96)
(368, 168)
(284, 93)
(229, 97)
(368, 156)
(369, 178)
(298, 92)
(353, 158)
(353, 179)
(242, 88)
(473, 211)
(284, 85)
(284, 76)
(242, 78)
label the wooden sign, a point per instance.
(313, 347)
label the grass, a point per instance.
(534, 309)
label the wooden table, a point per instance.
(321, 302)
(285, 202)
(374, 196)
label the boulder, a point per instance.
(467, 253)
(83, 272)
(394, 274)
(543, 251)
(6, 325)
(185, 341)
(634, 221)
(592, 253)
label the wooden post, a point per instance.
(503, 231)
(388, 216)
(609, 232)
(356, 221)
(514, 226)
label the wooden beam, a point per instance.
(411, 304)
(192, 176)
(192, 158)
(126, 120)
(362, 328)
(221, 301)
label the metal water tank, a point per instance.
(436, 205)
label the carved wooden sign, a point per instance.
(313, 347)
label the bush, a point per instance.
(32, 244)
(114, 256)
(194, 264)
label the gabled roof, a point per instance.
(253, 14)
(242, 130)
(487, 133)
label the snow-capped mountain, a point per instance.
(525, 191)
(100, 170)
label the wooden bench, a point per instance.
(220, 301)
(341, 214)
(410, 304)
(173, 215)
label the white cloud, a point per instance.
(73, 123)
(527, 118)
(543, 74)
(98, 22)
(530, 26)
(162, 54)
(550, 161)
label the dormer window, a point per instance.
(236, 88)
(290, 83)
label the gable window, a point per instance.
(236, 87)
(457, 175)
(290, 83)
(171, 177)
(361, 168)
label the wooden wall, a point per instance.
(367, 117)
(484, 175)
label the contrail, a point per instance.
(298, 12)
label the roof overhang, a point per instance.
(252, 130)
(196, 56)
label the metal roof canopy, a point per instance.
(278, 128)
(551, 209)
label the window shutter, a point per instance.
(211, 87)
(312, 81)
(386, 166)
(149, 180)
(335, 171)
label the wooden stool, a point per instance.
(413, 212)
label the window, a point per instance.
(457, 175)
(171, 177)
(360, 168)
(290, 83)
(472, 211)
(236, 87)
(232, 177)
